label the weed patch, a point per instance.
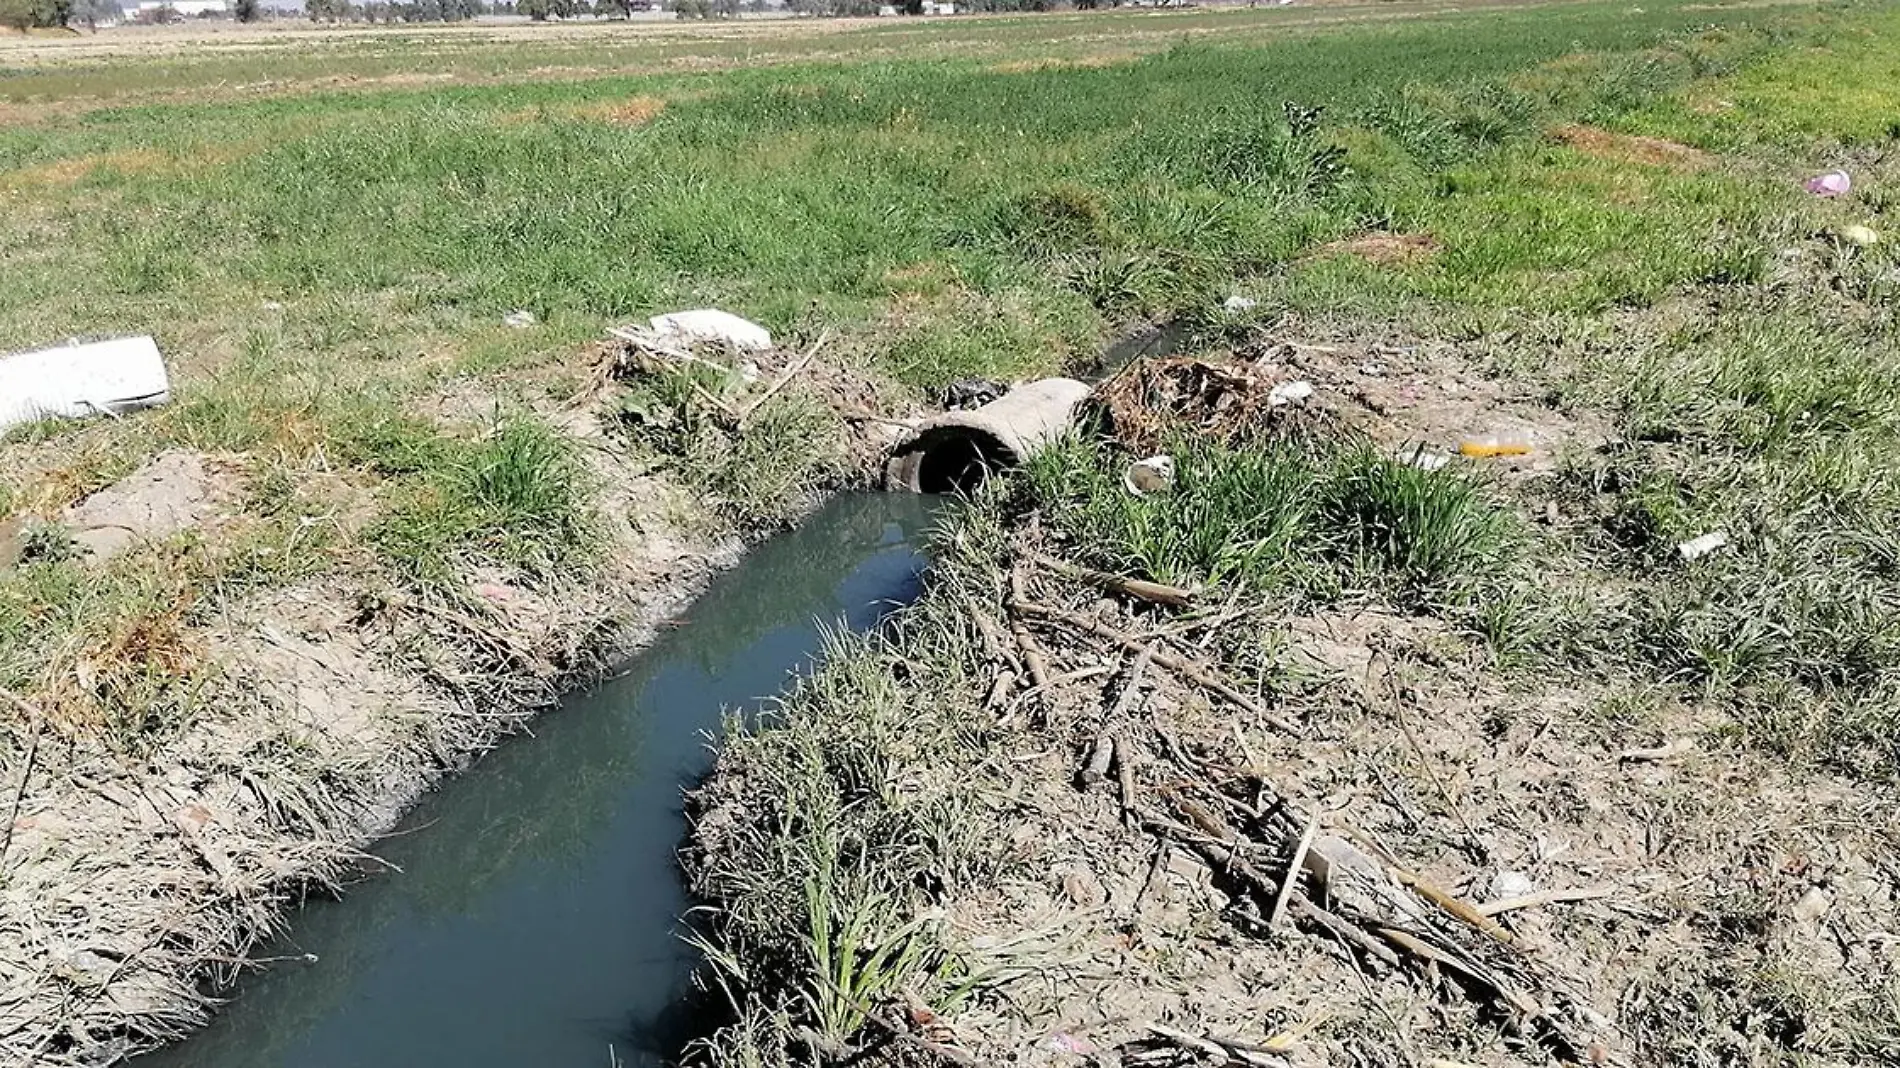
(517, 496)
(1282, 519)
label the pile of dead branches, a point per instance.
(1228, 401)
(1051, 638)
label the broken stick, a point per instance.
(790, 373)
(1032, 652)
(1140, 589)
(1186, 669)
(1125, 778)
(1545, 897)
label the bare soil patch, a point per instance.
(175, 492)
(1630, 148)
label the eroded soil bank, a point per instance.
(285, 725)
(1385, 780)
(531, 916)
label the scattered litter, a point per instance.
(1331, 858)
(74, 381)
(1237, 304)
(1507, 884)
(1666, 753)
(520, 319)
(273, 305)
(712, 324)
(1831, 184)
(972, 393)
(1290, 392)
(1813, 905)
(1860, 235)
(1420, 457)
(1153, 475)
(1488, 446)
(1696, 548)
(1372, 369)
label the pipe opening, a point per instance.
(951, 459)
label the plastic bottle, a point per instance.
(1486, 446)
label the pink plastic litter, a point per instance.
(1064, 1042)
(1831, 184)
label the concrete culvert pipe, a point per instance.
(956, 451)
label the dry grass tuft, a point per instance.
(633, 111)
(1628, 148)
(1096, 61)
(61, 173)
(1386, 250)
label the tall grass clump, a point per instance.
(517, 496)
(1235, 517)
(829, 830)
(1422, 534)
(1315, 522)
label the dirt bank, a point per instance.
(1320, 815)
(142, 862)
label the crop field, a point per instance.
(1584, 222)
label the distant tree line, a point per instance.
(538, 10)
(394, 10)
(23, 14)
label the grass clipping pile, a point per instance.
(1067, 817)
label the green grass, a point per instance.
(326, 270)
(517, 496)
(1315, 522)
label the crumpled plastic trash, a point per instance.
(1422, 458)
(1696, 548)
(520, 319)
(1489, 446)
(1831, 184)
(1289, 393)
(1237, 304)
(1152, 475)
(1860, 235)
(712, 324)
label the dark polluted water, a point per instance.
(533, 918)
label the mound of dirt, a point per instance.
(1406, 396)
(175, 492)
(1229, 401)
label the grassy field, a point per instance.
(1596, 201)
(327, 270)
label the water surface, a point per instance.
(533, 918)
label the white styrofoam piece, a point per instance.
(78, 380)
(712, 324)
